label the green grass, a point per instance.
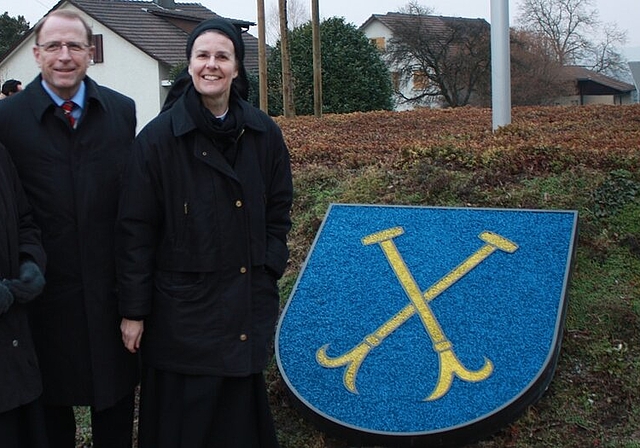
(83, 426)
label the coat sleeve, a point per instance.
(278, 207)
(29, 242)
(137, 227)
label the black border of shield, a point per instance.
(454, 436)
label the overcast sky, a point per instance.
(625, 13)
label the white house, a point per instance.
(380, 29)
(137, 44)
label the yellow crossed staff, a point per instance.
(449, 363)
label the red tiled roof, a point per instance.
(397, 21)
(159, 32)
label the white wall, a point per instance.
(374, 30)
(20, 64)
(574, 100)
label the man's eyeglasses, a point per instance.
(55, 47)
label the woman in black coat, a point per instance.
(22, 261)
(202, 229)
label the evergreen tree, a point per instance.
(354, 76)
(11, 30)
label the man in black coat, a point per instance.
(22, 261)
(70, 158)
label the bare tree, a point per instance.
(414, 7)
(603, 56)
(567, 28)
(536, 77)
(297, 15)
(441, 59)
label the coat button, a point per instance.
(15, 343)
(238, 203)
(204, 153)
(243, 270)
(243, 337)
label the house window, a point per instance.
(98, 52)
(420, 80)
(395, 81)
(379, 42)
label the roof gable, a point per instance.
(397, 21)
(159, 32)
(143, 25)
(596, 80)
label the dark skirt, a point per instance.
(23, 427)
(200, 411)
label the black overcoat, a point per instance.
(19, 236)
(72, 179)
(202, 242)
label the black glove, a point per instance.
(29, 285)
(6, 298)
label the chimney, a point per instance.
(165, 4)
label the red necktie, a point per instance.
(67, 107)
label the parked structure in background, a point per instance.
(595, 88)
(137, 45)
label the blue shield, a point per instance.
(412, 325)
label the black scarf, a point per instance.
(223, 133)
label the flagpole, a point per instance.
(500, 64)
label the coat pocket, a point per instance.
(188, 312)
(179, 281)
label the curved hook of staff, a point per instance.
(352, 359)
(450, 366)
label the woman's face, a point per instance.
(213, 65)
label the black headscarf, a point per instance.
(240, 84)
(225, 27)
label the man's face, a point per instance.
(63, 67)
